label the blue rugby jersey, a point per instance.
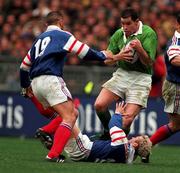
(48, 52)
(103, 151)
(173, 50)
(116, 150)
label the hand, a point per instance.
(124, 55)
(136, 44)
(110, 57)
(120, 108)
(27, 92)
(134, 142)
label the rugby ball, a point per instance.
(133, 51)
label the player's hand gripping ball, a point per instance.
(133, 52)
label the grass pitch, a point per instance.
(27, 156)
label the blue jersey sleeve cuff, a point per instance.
(116, 120)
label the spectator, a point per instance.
(83, 13)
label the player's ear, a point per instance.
(61, 23)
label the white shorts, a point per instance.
(78, 149)
(50, 90)
(132, 86)
(171, 96)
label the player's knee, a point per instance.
(72, 117)
(99, 106)
(174, 127)
(76, 113)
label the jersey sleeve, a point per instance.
(82, 50)
(24, 71)
(118, 135)
(173, 51)
(26, 63)
(113, 43)
(150, 44)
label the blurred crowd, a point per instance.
(91, 21)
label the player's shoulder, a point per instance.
(59, 32)
(148, 30)
(118, 34)
(119, 31)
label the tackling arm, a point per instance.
(82, 50)
(24, 71)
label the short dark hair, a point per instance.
(178, 18)
(53, 17)
(130, 12)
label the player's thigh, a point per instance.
(51, 88)
(132, 110)
(105, 98)
(118, 83)
(38, 88)
(171, 96)
(66, 110)
(138, 92)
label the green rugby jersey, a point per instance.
(148, 39)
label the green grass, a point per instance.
(27, 156)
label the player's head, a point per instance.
(129, 21)
(142, 145)
(55, 18)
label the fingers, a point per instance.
(127, 55)
(135, 43)
(126, 51)
(120, 108)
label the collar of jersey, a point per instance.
(53, 27)
(139, 31)
(177, 34)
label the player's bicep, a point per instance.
(75, 46)
(113, 46)
(150, 45)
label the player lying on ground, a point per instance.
(118, 149)
(45, 134)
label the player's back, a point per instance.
(47, 53)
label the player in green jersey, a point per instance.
(132, 80)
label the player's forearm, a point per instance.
(110, 62)
(144, 57)
(24, 78)
(176, 61)
(115, 59)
